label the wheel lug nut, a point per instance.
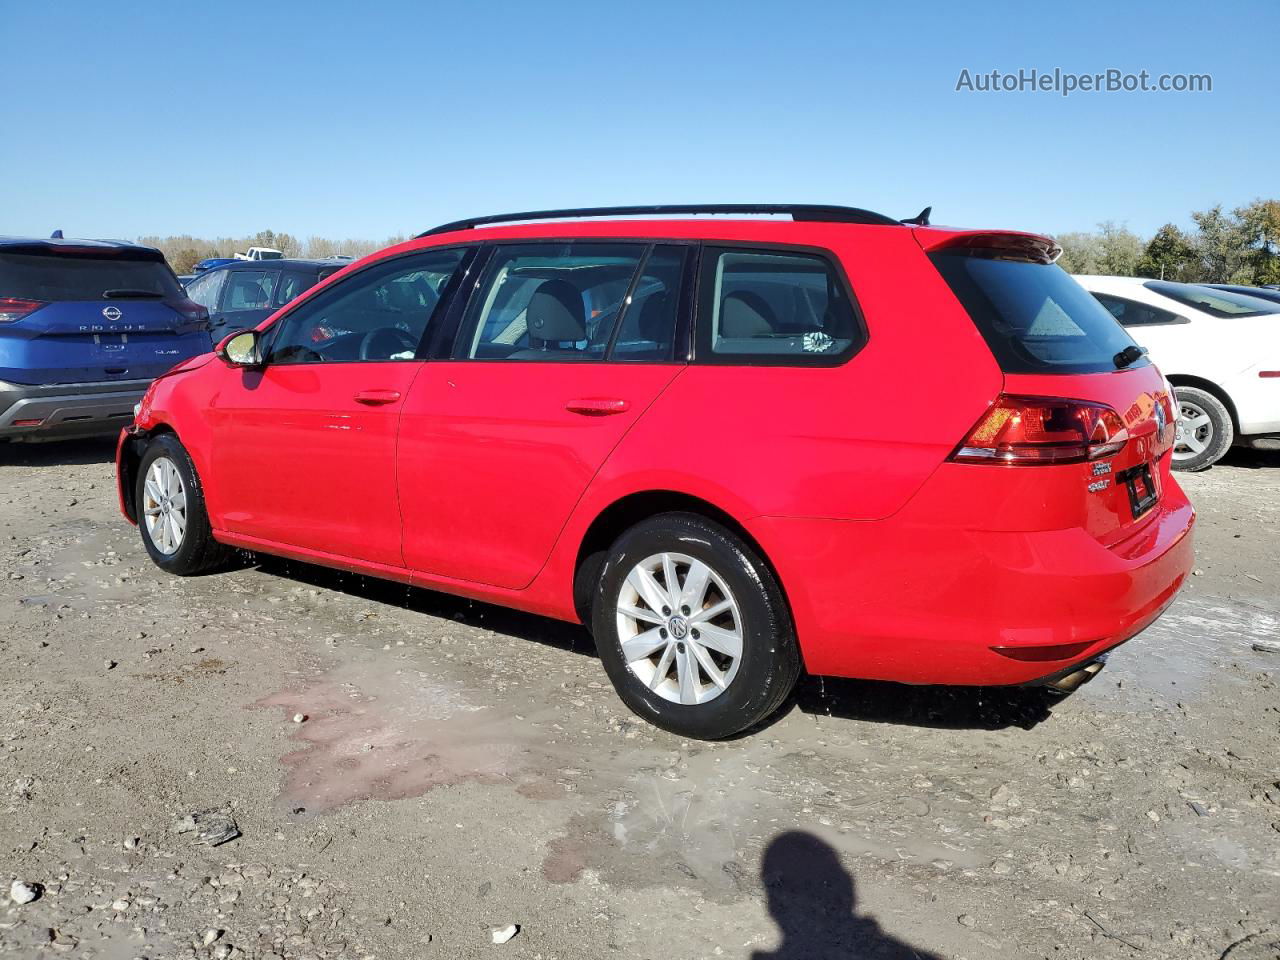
(662, 632)
(685, 610)
(694, 634)
(680, 647)
(666, 611)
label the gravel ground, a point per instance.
(459, 768)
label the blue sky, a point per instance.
(366, 119)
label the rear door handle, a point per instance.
(597, 406)
(375, 398)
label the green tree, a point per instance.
(1080, 252)
(1222, 247)
(1169, 255)
(1260, 227)
(1119, 250)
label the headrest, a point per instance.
(744, 314)
(556, 313)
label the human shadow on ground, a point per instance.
(812, 899)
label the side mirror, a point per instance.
(240, 349)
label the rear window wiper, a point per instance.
(128, 293)
(1129, 356)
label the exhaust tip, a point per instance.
(1077, 678)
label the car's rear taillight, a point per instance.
(1036, 430)
(15, 308)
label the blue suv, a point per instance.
(85, 326)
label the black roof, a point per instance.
(278, 262)
(101, 248)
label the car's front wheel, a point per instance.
(692, 627)
(169, 505)
(1205, 430)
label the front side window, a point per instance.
(380, 313)
(249, 289)
(549, 302)
(1130, 313)
(773, 306)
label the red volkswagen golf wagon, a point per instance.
(734, 447)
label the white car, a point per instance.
(1219, 349)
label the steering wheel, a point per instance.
(386, 334)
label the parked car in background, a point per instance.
(1221, 351)
(732, 447)
(260, 253)
(1265, 293)
(210, 263)
(243, 293)
(85, 325)
(185, 278)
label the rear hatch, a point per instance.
(84, 314)
(1086, 421)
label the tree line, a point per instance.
(184, 252)
(1240, 246)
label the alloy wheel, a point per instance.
(680, 628)
(164, 505)
(1195, 431)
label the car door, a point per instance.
(304, 447)
(560, 349)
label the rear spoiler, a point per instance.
(996, 244)
(70, 248)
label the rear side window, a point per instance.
(549, 302)
(773, 307)
(1216, 303)
(1130, 313)
(292, 285)
(54, 278)
(1034, 317)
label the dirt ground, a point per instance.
(462, 768)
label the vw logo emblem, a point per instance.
(679, 627)
(111, 313)
(1160, 418)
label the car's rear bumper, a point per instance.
(899, 600)
(67, 409)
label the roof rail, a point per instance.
(816, 213)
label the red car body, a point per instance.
(898, 561)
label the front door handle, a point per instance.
(597, 406)
(376, 398)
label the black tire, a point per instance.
(1215, 433)
(197, 552)
(769, 664)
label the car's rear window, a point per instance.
(35, 277)
(1034, 317)
(1216, 303)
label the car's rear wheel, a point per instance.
(169, 503)
(1205, 430)
(692, 627)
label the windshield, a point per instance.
(55, 278)
(1034, 317)
(1216, 303)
